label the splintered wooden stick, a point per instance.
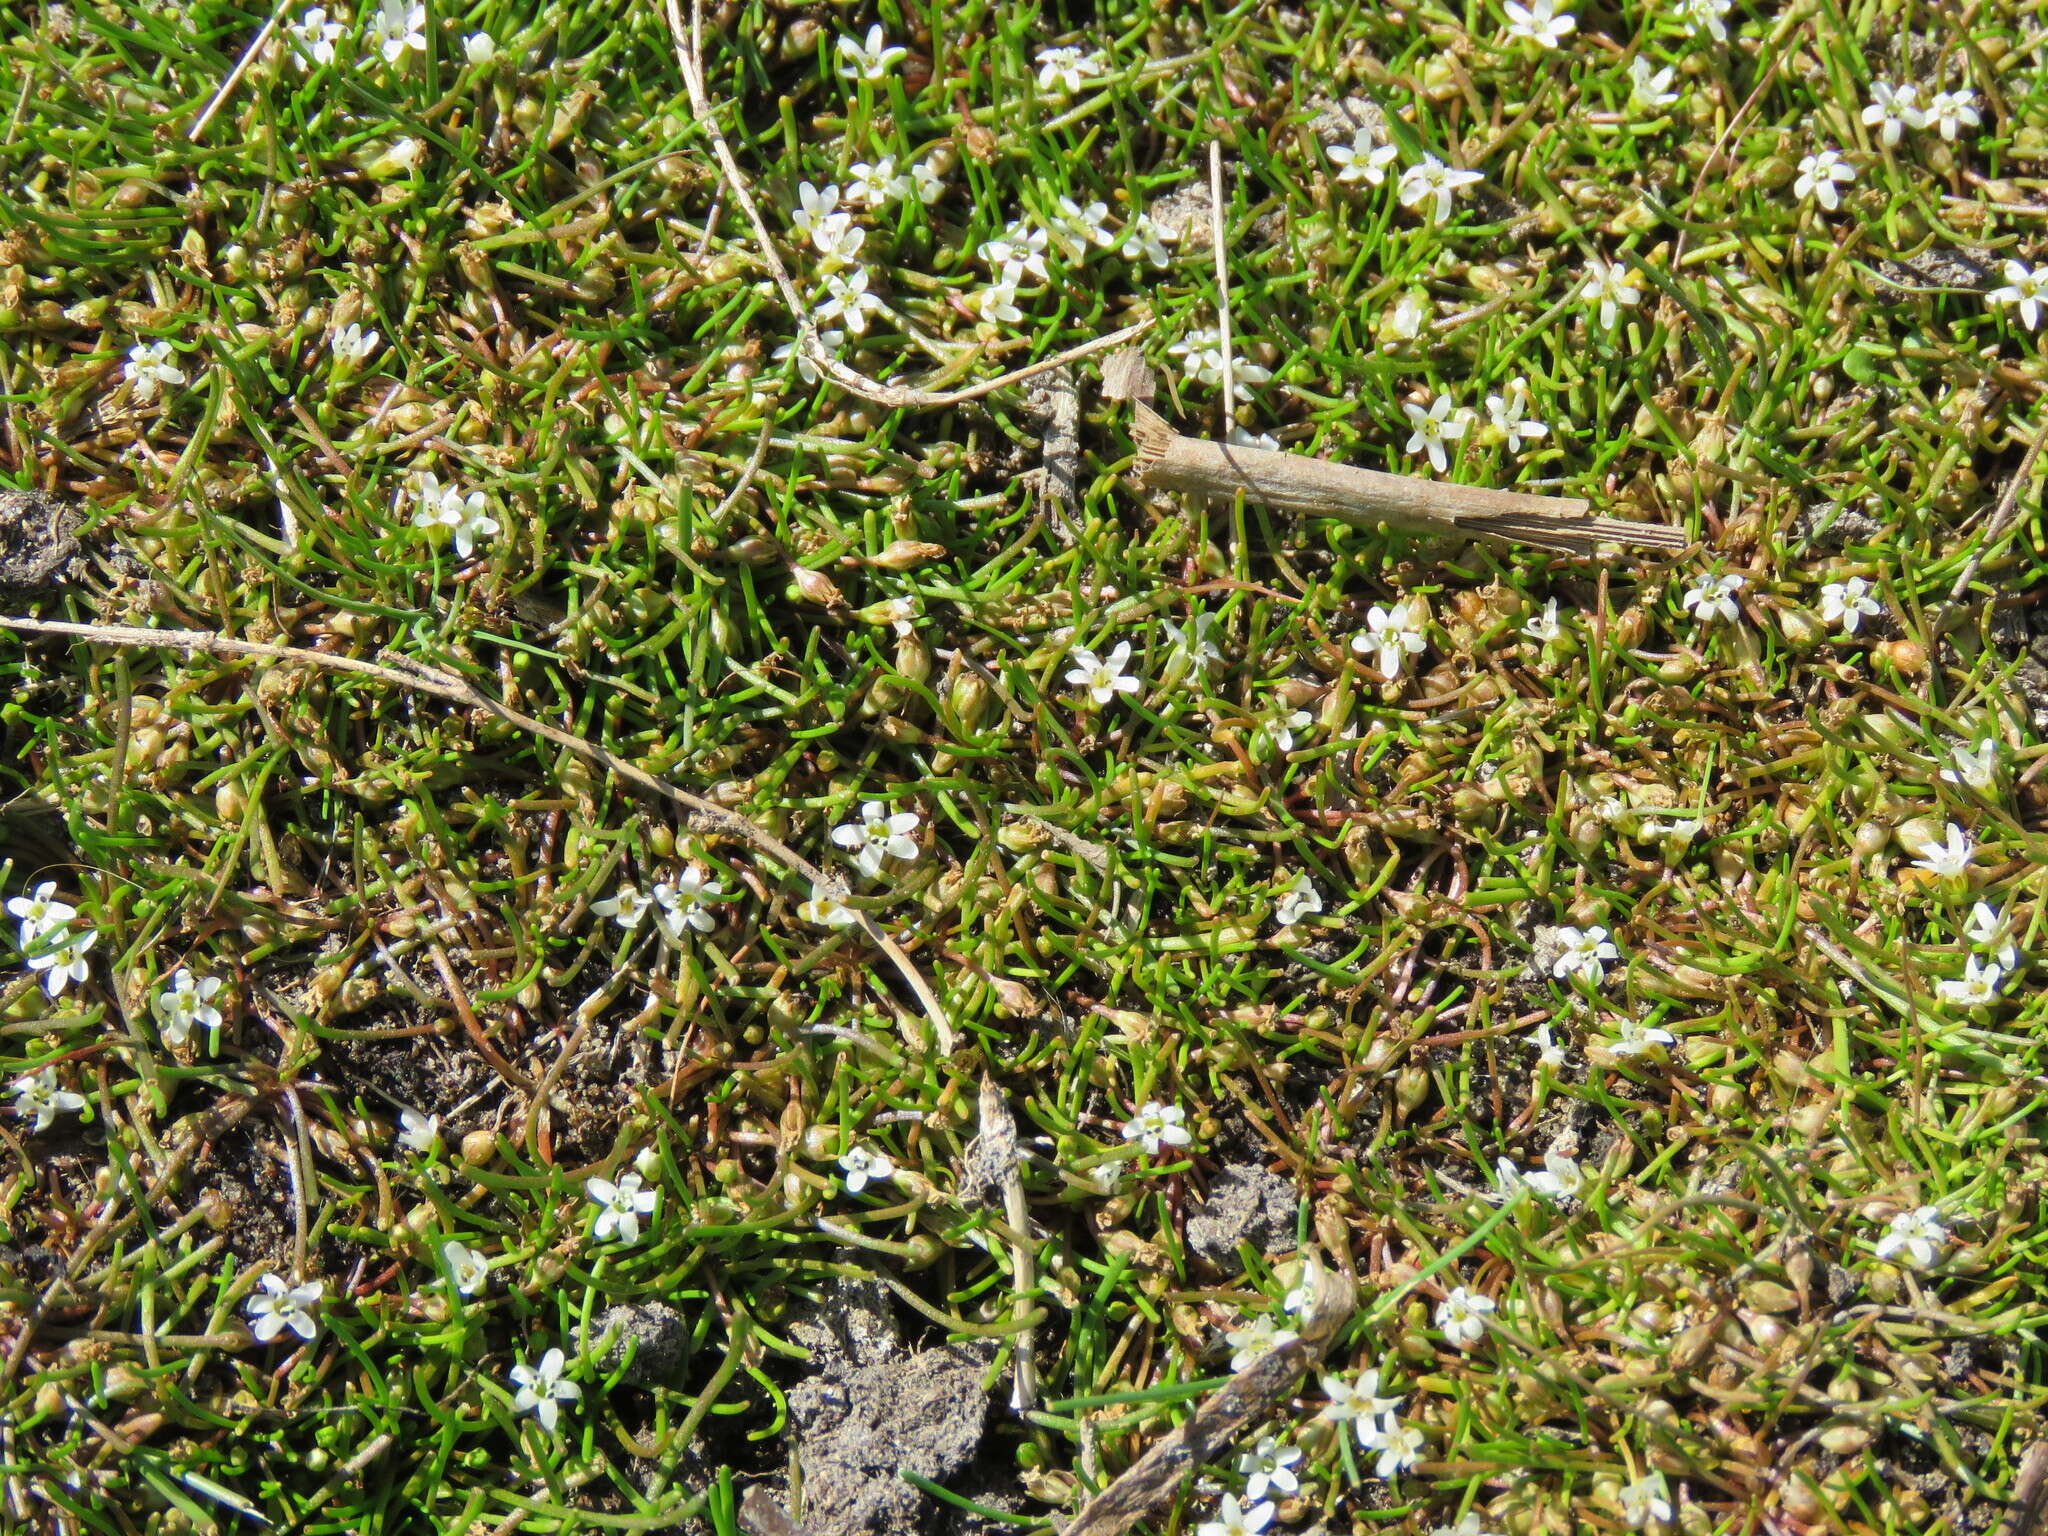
(1169, 461)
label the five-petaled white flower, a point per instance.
(1559, 1178)
(1157, 1125)
(1917, 1235)
(838, 240)
(1977, 987)
(1433, 429)
(1709, 16)
(1583, 953)
(281, 1306)
(1948, 859)
(1649, 87)
(847, 298)
(1143, 238)
(1359, 1403)
(681, 904)
(150, 367)
(1544, 627)
(869, 62)
(863, 1167)
(1462, 1315)
(37, 1096)
(1017, 253)
(1074, 228)
(1893, 109)
(1406, 319)
(876, 185)
(1848, 603)
(352, 345)
(1192, 646)
(1298, 898)
(1506, 414)
(1975, 766)
(1268, 1466)
(813, 207)
(1952, 111)
(1610, 285)
(1399, 1446)
(1637, 1038)
(1432, 179)
(1713, 597)
(542, 1390)
(1392, 635)
(827, 911)
(1233, 1519)
(1822, 174)
(620, 1206)
(1103, 676)
(1548, 1051)
(1064, 69)
(184, 1001)
(58, 951)
(469, 1270)
(464, 515)
(878, 835)
(396, 26)
(2025, 286)
(312, 38)
(39, 913)
(626, 908)
(1990, 929)
(1201, 357)
(831, 341)
(998, 301)
(927, 183)
(418, 1132)
(1258, 1336)
(1540, 22)
(480, 48)
(1644, 1500)
(1363, 159)
(1281, 728)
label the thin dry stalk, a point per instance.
(999, 1142)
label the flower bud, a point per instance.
(816, 587)
(907, 554)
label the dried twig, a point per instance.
(1171, 462)
(690, 56)
(2029, 1494)
(998, 1145)
(234, 78)
(2002, 519)
(1222, 280)
(403, 672)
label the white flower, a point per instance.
(1584, 953)
(1544, 627)
(281, 1307)
(1266, 1466)
(1201, 355)
(682, 905)
(352, 345)
(1848, 603)
(312, 38)
(998, 301)
(184, 1002)
(1918, 1234)
(1894, 109)
(1637, 1038)
(1462, 1315)
(1559, 1178)
(1505, 414)
(542, 1392)
(1644, 1500)
(396, 26)
(40, 912)
(814, 207)
(1976, 767)
(1399, 1446)
(1433, 179)
(620, 1206)
(1951, 111)
(863, 1167)
(150, 368)
(870, 62)
(929, 185)
(1950, 858)
(1610, 284)
(1074, 228)
(1650, 88)
(1103, 676)
(1362, 159)
(447, 506)
(1393, 635)
(418, 1132)
(1433, 429)
(1281, 728)
(876, 185)
(1143, 238)
(59, 953)
(1540, 22)
(1709, 16)
(847, 296)
(1305, 1288)
(1469, 1524)
(832, 341)
(1713, 597)
(1977, 987)
(626, 908)
(1258, 1336)
(2025, 286)
(480, 48)
(838, 240)
(1358, 1403)
(399, 158)
(1821, 174)
(878, 835)
(1018, 252)
(1548, 1051)
(1192, 645)
(1064, 69)
(827, 911)
(1232, 1519)
(1406, 319)
(1158, 1125)
(1991, 929)
(37, 1095)
(1298, 898)
(469, 1270)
